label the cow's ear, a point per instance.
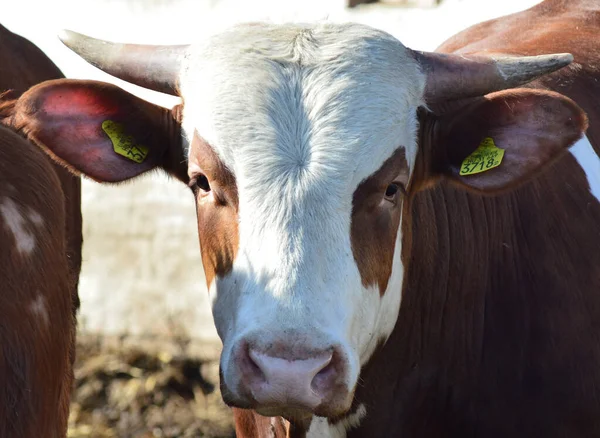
(503, 139)
(100, 130)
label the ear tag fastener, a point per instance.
(484, 158)
(124, 144)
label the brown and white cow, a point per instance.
(362, 283)
(40, 260)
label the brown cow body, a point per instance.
(40, 260)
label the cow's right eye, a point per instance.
(201, 182)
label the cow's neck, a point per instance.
(413, 383)
(480, 337)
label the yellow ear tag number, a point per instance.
(485, 157)
(124, 144)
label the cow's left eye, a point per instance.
(200, 182)
(392, 191)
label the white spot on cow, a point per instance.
(273, 427)
(39, 308)
(588, 159)
(35, 217)
(321, 428)
(16, 223)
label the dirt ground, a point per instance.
(128, 393)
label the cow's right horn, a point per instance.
(153, 67)
(451, 76)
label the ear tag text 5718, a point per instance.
(124, 144)
(484, 158)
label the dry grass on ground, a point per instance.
(127, 393)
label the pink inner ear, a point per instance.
(66, 117)
(77, 102)
(534, 127)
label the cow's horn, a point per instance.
(457, 76)
(153, 67)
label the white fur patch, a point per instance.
(273, 424)
(35, 217)
(40, 309)
(588, 159)
(16, 222)
(320, 427)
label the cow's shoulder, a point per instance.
(24, 64)
(566, 28)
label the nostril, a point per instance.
(320, 367)
(322, 377)
(250, 365)
(326, 370)
(327, 375)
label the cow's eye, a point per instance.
(200, 182)
(392, 191)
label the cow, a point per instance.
(396, 243)
(40, 260)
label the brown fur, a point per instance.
(375, 222)
(29, 66)
(35, 353)
(249, 424)
(218, 216)
(36, 358)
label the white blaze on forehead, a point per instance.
(339, 97)
(16, 222)
(590, 162)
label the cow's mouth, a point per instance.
(294, 413)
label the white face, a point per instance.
(300, 117)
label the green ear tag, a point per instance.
(485, 157)
(124, 144)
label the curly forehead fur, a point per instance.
(295, 99)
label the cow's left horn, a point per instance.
(457, 76)
(153, 67)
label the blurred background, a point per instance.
(148, 352)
